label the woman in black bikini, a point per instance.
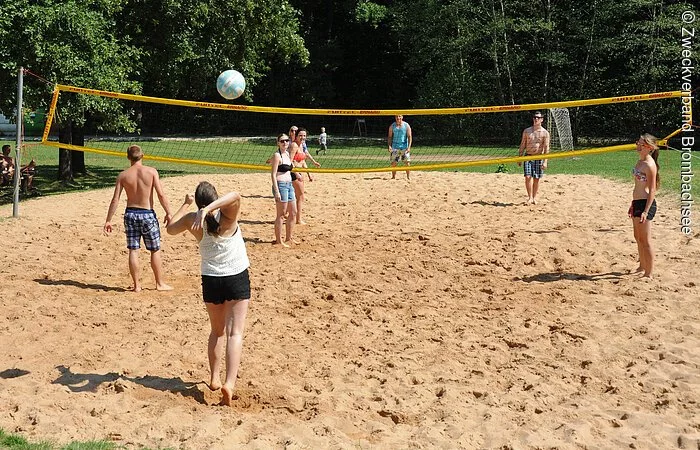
(283, 190)
(643, 208)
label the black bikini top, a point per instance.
(282, 168)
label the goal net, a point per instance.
(239, 136)
(559, 127)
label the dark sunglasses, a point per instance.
(283, 140)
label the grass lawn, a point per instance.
(103, 169)
(16, 442)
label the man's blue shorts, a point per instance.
(138, 223)
(533, 168)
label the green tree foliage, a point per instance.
(186, 44)
(465, 53)
(72, 43)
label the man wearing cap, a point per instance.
(535, 141)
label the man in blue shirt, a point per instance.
(400, 140)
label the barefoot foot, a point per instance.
(214, 385)
(227, 395)
(163, 287)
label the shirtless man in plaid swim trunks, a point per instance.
(140, 219)
(535, 141)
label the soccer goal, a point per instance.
(559, 127)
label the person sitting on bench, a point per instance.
(8, 166)
(27, 172)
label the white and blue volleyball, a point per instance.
(230, 84)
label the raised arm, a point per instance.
(229, 205)
(182, 220)
(113, 205)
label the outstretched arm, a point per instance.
(316, 163)
(113, 205)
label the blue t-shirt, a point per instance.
(399, 136)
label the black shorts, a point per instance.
(218, 290)
(638, 208)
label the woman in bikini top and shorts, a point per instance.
(643, 207)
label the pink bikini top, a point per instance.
(638, 174)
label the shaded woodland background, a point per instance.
(351, 54)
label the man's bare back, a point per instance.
(139, 182)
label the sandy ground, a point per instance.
(440, 313)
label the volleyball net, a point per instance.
(238, 136)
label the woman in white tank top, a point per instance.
(225, 280)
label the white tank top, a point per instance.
(223, 256)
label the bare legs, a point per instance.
(290, 209)
(393, 172)
(135, 269)
(299, 193)
(227, 323)
(532, 186)
(156, 265)
(642, 234)
(535, 188)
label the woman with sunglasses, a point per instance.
(643, 207)
(283, 190)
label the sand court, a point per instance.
(437, 313)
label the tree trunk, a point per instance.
(77, 157)
(505, 56)
(65, 168)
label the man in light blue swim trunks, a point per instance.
(400, 140)
(140, 219)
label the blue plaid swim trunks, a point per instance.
(533, 168)
(138, 223)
